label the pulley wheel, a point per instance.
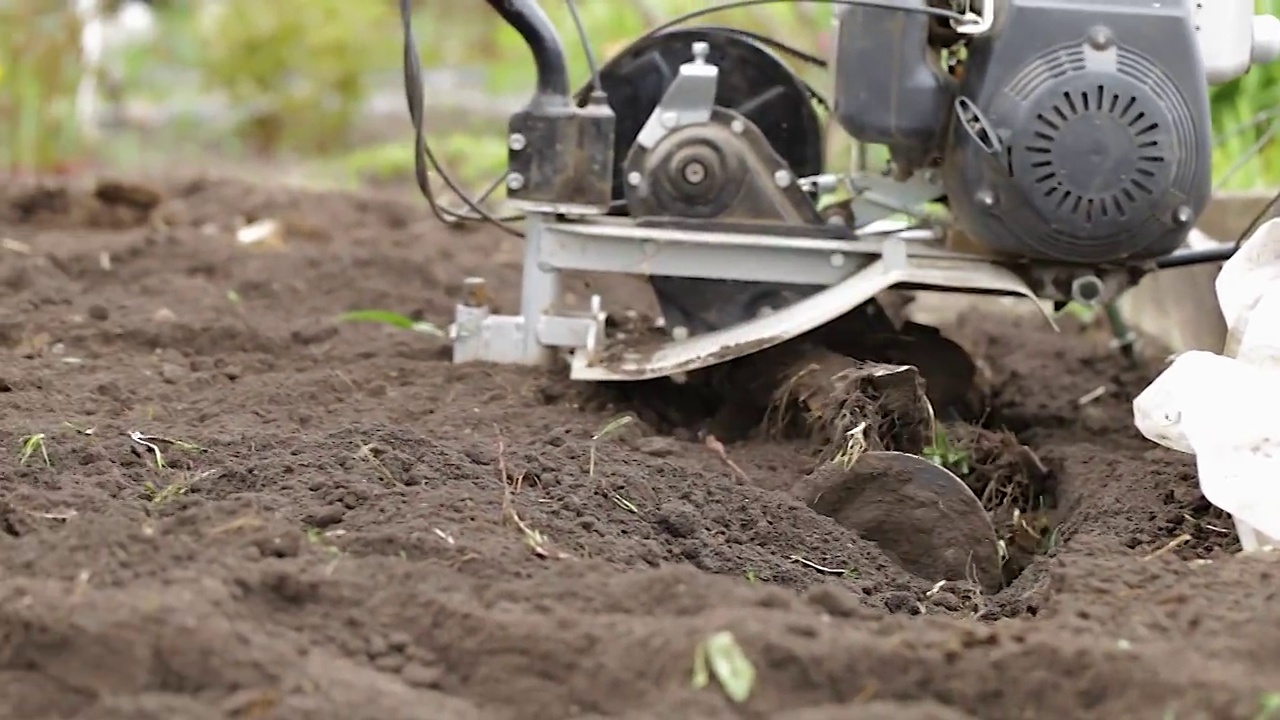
(754, 81)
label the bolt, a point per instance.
(985, 198)
(1100, 38)
(700, 51)
(474, 292)
(679, 333)
(782, 178)
(694, 172)
(670, 119)
(738, 127)
(516, 142)
(837, 260)
(634, 178)
(1183, 216)
(1086, 289)
(515, 181)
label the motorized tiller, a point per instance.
(1055, 150)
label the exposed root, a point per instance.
(830, 395)
(954, 384)
(1013, 484)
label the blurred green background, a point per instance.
(312, 91)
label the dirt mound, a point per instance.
(220, 502)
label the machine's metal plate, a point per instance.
(618, 364)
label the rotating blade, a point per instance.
(920, 514)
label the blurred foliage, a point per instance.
(474, 35)
(300, 70)
(469, 158)
(1246, 122)
(39, 72)
(298, 74)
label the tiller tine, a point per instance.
(919, 513)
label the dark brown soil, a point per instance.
(332, 533)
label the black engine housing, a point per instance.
(1082, 131)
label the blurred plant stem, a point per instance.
(39, 72)
(1246, 122)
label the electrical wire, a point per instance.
(682, 19)
(426, 161)
(1268, 212)
(1183, 258)
(583, 40)
(422, 152)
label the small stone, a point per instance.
(328, 517)
(658, 446)
(389, 663)
(377, 646)
(399, 641)
(171, 373)
(419, 675)
(164, 315)
(99, 312)
(679, 519)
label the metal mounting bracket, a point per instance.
(855, 271)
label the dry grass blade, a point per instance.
(537, 542)
(718, 448)
(611, 427)
(1169, 547)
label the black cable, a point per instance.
(1183, 258)
(424, 156)
(681, 19)
(1268, 212)
(778, 45)
(422, 152)
(592, 67)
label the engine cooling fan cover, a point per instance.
(1098, 154)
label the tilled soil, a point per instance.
(314, 519)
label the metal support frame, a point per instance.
(854, 270)
(533, 336)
